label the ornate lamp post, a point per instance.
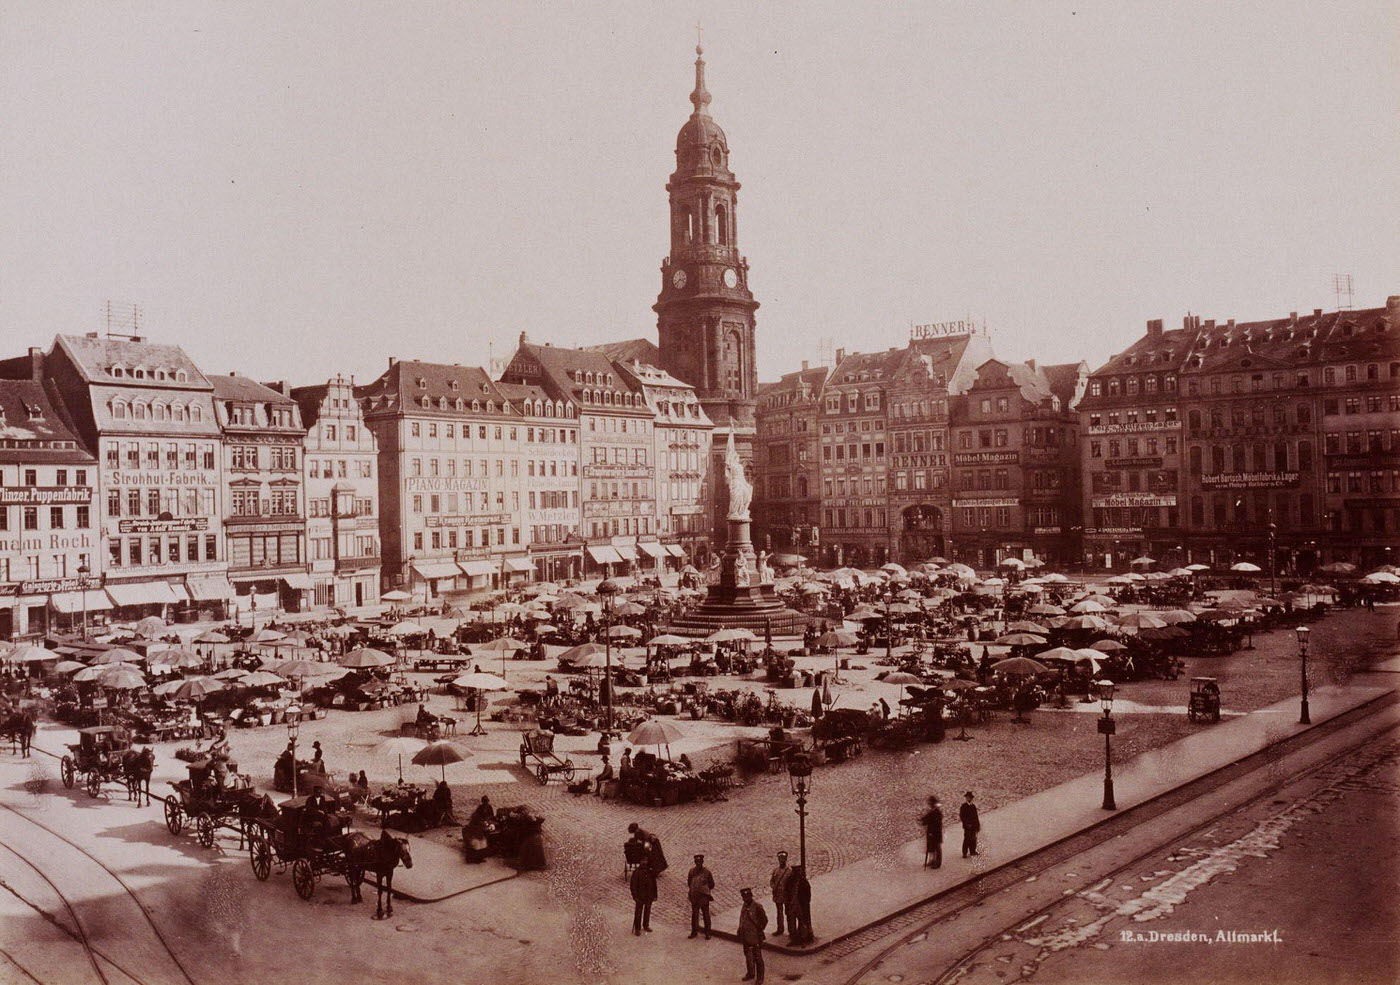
(1303, 634)
(1273, 556)
(293, 727)
(1107, 726)
(83, 572)
(889, 634)
(800, 778)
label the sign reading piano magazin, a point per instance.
(1250, 480)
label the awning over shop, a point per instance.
(675, 550)
(300, 581)
(628, 552)
(603, 554)
(142, 593)
(212, 589)
(519, 564)
(654, 550)
(70, 602)
(436, 569)
(477, 569)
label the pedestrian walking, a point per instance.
(778, 882)
(643, 887)
(933, 834)
(799, 907)
(700, 886)
(971, 824)
(752, 920)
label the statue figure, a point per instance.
(741, 573)
(740, 492)
(765, 569)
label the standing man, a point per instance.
(643, 887)
(967, 814)
(752, 920)
(700, 886)
(778, 882)
(799, 907)
(933, 834)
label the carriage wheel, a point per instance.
(303, 878)
(260, 855)
(67, 771)
(542, 773)
(174, 817)
(94, 783)
(204, 824)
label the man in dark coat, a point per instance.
(643, 887)
(778, 882)
(700, 888)
(933, 834)
(967, 814)
(799, 906)
(752, 920)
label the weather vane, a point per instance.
(698, 41)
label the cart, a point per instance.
(537, 755)
(97, 757)
(1205, 700)
(285, 841)
(210, 806)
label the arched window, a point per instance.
(179, 411)
(181, 376)
(119, 409)
(139, 410)
(722, 225)
(196, 414)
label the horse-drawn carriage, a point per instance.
(312, 843)
(97, 757)
(537, 755)
(1205, 700)
(210, 802)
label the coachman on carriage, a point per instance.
(97, 757)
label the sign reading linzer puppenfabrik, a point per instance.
(1250, 480)
(45, 495)
(986, 458)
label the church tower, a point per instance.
(705, 313)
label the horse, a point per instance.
(137, 767)
(19, 728)
(381, 857)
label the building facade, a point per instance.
(550, 486)
(342, 495)
(148, 414)
(787, 464)
(49, 574)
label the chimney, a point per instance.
(392, 361)
(1210, 323)
(522, 336)
(804, 362)
(1230, 324)
(1317, 312)
(36, 364)
(840, 354)
(1031, 364)
(1392, 308)
(1154, 328)
(1293, 318)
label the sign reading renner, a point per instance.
(942, 329)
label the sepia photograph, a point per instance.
(601, 493)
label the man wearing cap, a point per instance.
(778, 882)
(752, 920)
(967, 814)
(933, 834)
(700, 887)
(643, 886)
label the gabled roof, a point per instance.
(560, 365)
(116, 361)
(1066, 380)
(241, 388)
(449, 389)
(630, 350)
(855, 368)
(32, 431)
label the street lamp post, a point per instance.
(1303, 634)
(800, 779)
(1107, 726)
(889, 634)
(1273, 556)
(83, 572)
(293, 726)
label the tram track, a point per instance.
(115, 877)
(77, 932)
(918, 921)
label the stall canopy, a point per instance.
(655, 550)
(145, 593)
(603, 554)
(477, 569)
(628, 552)
(519, 564)
(436, 569)
(675, 550)
(180, 592)
(209, 589)
(70, 602)
(301, 580)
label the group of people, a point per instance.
(790, 888)
(932, 821)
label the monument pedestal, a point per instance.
(738, 600)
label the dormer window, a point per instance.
(442, 403)
(476, 406)
(426, 402)
(181, 376)
(458, 404)
(490, 406)
(117, 371)
(422, 383)
(452, 385)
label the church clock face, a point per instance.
(730, 278)
(678, 279)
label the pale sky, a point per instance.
(292, 189)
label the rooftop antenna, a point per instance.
(1341, 285)
(123, 324)
(826, 351)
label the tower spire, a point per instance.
(700, 98)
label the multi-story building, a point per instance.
(264, 514)
(450, 478)
(1015, 463)
(342, 495)
(681, 457)
(147, 412)
(550, 484)
(49, 573)
(787, 465)
(617, 499)
(854, 462)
